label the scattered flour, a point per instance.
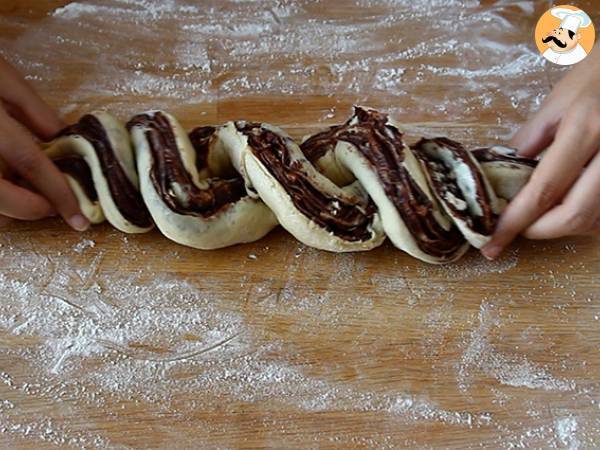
(83, 245)
(472, 265)
(508, 369)
(566, 429)
(96, 338)
(178, 343)
(212, 51)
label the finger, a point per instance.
(19, 203)
(576, 141)
(24, 157)
(537, 134)
(25, 105)
(595, 231)
(5, 221)
(4, 170)
(578, 213)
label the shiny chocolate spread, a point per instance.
(126, 197)
(172, 181)
(348, 220)
(502, 154)
(77, 168)
(444, 179)
(382, 146)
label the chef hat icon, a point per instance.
(571, 19)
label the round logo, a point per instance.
(565, 35)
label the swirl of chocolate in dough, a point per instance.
(76, 167)
(201, 137)
(459, 182)
(505, 169)
(346, 219)
(381, 143)
(171, 179)
(125, 195)
(216, 187)
(502, 154)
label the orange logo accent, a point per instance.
(565, 35)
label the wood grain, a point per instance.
(477, 354)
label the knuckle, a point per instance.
(591, 102)
(506, 229)
(543, 193)
(580, 221)
(587, 108)
(27, 163)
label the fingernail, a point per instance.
(79, 222)
(491, 252)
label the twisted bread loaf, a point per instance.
(343, 189)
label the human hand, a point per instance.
(563, 195)
(31, 187)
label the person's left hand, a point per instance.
(31, 186)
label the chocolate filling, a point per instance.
(126, 197)
(382, 146)
(488, 154)
(200, 138)
(444, 181)
(76, 167)
(347, 220)
(172, 181)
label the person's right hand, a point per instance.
(562, 198)
(22, 111)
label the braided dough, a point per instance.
(96, 156)
(343, 189)
(188, 208)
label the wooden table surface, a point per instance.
(116, 341)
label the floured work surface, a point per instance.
(123, 341)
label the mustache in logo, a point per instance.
(556, 41)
